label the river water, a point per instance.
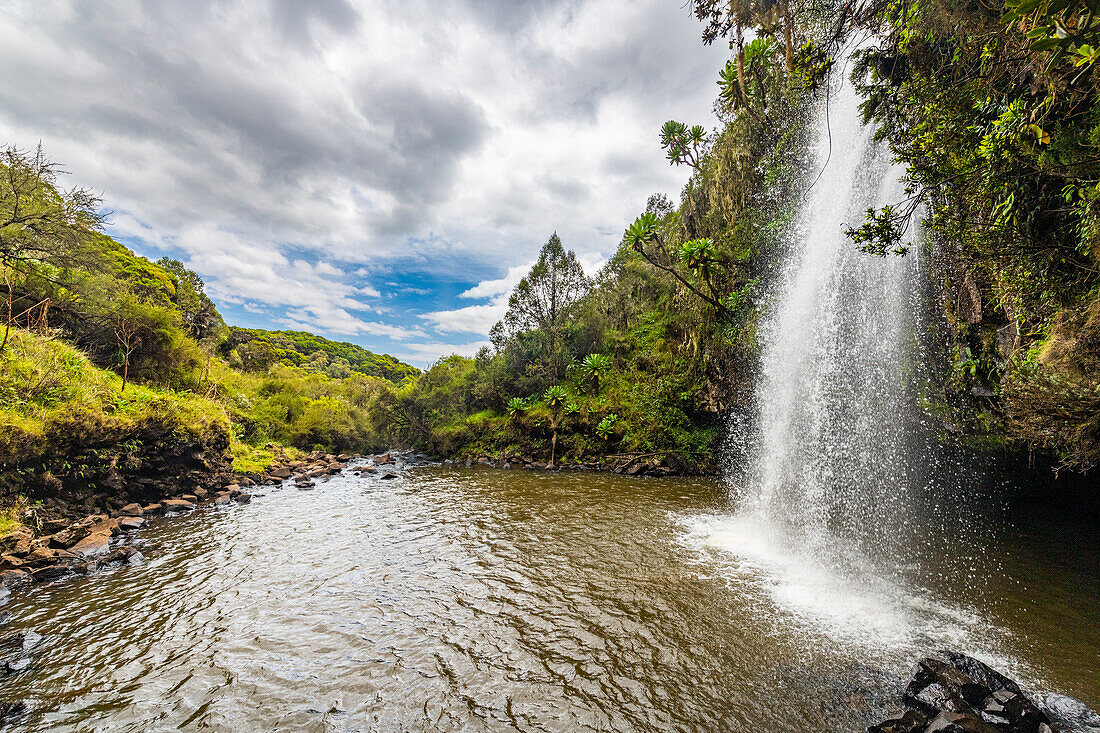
(481, 599)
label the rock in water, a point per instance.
(908, 722)
(127, 524)
(954, 693)
(132, 510)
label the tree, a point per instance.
(594, 367)
(543, 300)
(200, 316)
(127, 333)
(646, 238)
(37, 219)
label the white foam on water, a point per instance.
(864, 611)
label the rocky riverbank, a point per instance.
(53, 544)
(645, 464)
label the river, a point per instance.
(480, 599)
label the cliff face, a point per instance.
(1017, 375)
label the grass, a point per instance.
(9, 516)
(252, 459)
(51, 395)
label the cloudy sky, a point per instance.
(378, 172)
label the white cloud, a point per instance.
(500, 286)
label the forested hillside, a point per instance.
(115, 369)
(256, 349)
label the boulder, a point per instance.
(368, 469)
(908, 722)
(383, 460)
(12, 576)
(39, 556)
(388, 476)
(129, 524)
(960, 694)
(151, 510)
(177, 505)
(222, 499)
(344, 457)
(965, 722)
(200, 492)
(10, 540)
(96, 542)
(49, 572)
(22, 547)
(121, 555)
(243, 498)
(11, 561)
(191, 498)
(66, 538)
(283, 473)
(132, 510)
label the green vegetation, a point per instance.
(66, 422)
(254, 349)
(113, 365)
(994, 110)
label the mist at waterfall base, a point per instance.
(860, 526)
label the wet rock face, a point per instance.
(954, 693)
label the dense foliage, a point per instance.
(994, 111)
(152, 324)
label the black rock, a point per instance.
(908, 722)
(10, 710)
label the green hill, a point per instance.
(257, 349)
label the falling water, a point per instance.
(835, 397)
(828, 491)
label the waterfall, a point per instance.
(831, 488)
(833, 439)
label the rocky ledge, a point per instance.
(954, 693)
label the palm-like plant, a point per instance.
(643, 230)
(698, 255)
(555, 398)
(595, 367)
(681, 142)
(517, 407)
(607, 426)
